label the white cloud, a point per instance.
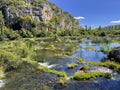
(115, 22)
(79, 17)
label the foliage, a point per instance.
(27, 27)
(60, 74)
(5, 3)
(91, 75)
(62, 81)
(72, 65)
(81, 60)
(14, 53)
(110, 64)
(112, 27)
(85, 68)
(1, 20)
(38, 2)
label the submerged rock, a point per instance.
(98, 84)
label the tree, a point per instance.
(86, 27)
(99, 28)
(5, 3)
(89, 28)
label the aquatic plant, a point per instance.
(60, 74)
(85, 68)
(62, 81)
(89, 76)
(81, 60)
(72, 65)
(110, 64)
(105, 48)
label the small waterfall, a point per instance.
(46, 64)
(2, 83)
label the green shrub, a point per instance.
(8, 60)
(62, 81)
(86, 68)
(81, 60)
(72, 65)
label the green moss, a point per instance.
(91, 75)
(60, 74)
(109, 64)
(62, 81)
(81, 60)
(72, 65)
(86, 68)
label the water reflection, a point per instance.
(89, 51)
(90, 55)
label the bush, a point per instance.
(85, 68)
(9, 61)
(102, 34)
(62, 81)
(81, 60)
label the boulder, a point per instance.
(115, 54)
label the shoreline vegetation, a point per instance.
(14, 53)
(36, 31)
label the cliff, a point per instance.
(39, 14)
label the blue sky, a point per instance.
(92, 12)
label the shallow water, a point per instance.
(89, 51)
(88, 55)
(61, 64)
(1, 83)
(84, 51)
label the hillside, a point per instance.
(21, 17)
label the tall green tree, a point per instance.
(99, 28)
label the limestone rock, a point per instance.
(42, 14)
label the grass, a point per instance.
(17, 53)
(62, 81)
(13, 53)
(88, 76)
(72, 65)
(2, 73)
(1, 70)
(86, 68)
(81, 60)
(45, 69)
(60, 74)
(110, 64)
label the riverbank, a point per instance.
(34, 60)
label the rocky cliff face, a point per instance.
(43, 12)
(39, 14)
